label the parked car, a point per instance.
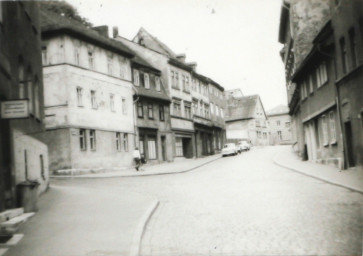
(229, 149)
(244, 145)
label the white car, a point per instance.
(229, 149)
(244, 145)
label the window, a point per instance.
(211, 108)
(176, 109)
(161, 113)
(21, 81)
(195, 107)
(90, 60)
(188, 112)
(125, 142)
(183, 82)
(344, 56)
(109, 66)
(206, 111)
(82, 139)
(140, 109)
(124, 106)
(353, 47)
(278, 123)
(118, 141)
(30, 92)
(141, 145)
(92, 139)
(325, 131)
(333, 136)
(187, 86)
(321, 74)
(311, 84)
(44, 55)
(112, 102)
(122, 70)
(76, 56)
(136, 78)
(79, 96)
(172, 78)
(36, 99)
(217, 110)
(279, 135)
(93, 99)
(157, 83)
(177, 80)
(303, 90)
(150, 111)
(265, 135)
(147, 82)
(178, 146)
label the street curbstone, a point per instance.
(140, 230)
(276, 162)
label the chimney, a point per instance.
(115, 31)
(102, 30)
(193, 65)
(181, 57)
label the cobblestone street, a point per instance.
(245, 205)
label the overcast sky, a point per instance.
(234, 42)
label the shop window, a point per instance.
(178, 146)
(151, 146)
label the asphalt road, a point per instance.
(244, 205)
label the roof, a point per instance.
(241, 108)
(139, 61)
(52, 24)
(278, 110)
(158, 45)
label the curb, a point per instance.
(132, 175)
(140, 230)
(317, 178)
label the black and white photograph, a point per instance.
(181, 127)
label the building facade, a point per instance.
(22, 156)
(246, 120)
(88, 96)
(279, 124)
(323, 76)
(347, 23)
(152, 113)
(194, 132)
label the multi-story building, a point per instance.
(279, 124)
(22, 156)
(88, 96)
(246, 120)
(152, 113)
(324, 85)
(347, 23)
(190, 108)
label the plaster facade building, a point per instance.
(152, 113)
(323, 76)
(246, 120)
(279, 125)
(190, 108)
(88, 96)
(22, 156)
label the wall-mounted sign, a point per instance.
(14, 109)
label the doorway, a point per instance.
(349, 141)
(163, 148)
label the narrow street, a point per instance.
(243, 205)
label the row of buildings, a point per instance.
(323, 58)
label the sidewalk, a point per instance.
(351, 178)
(178, 166)
(82, 221)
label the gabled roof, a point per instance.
(278, 110)
(54, 24)
(154, 43)
(241, 108)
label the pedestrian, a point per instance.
(137, 158)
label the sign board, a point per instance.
(14, 109)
